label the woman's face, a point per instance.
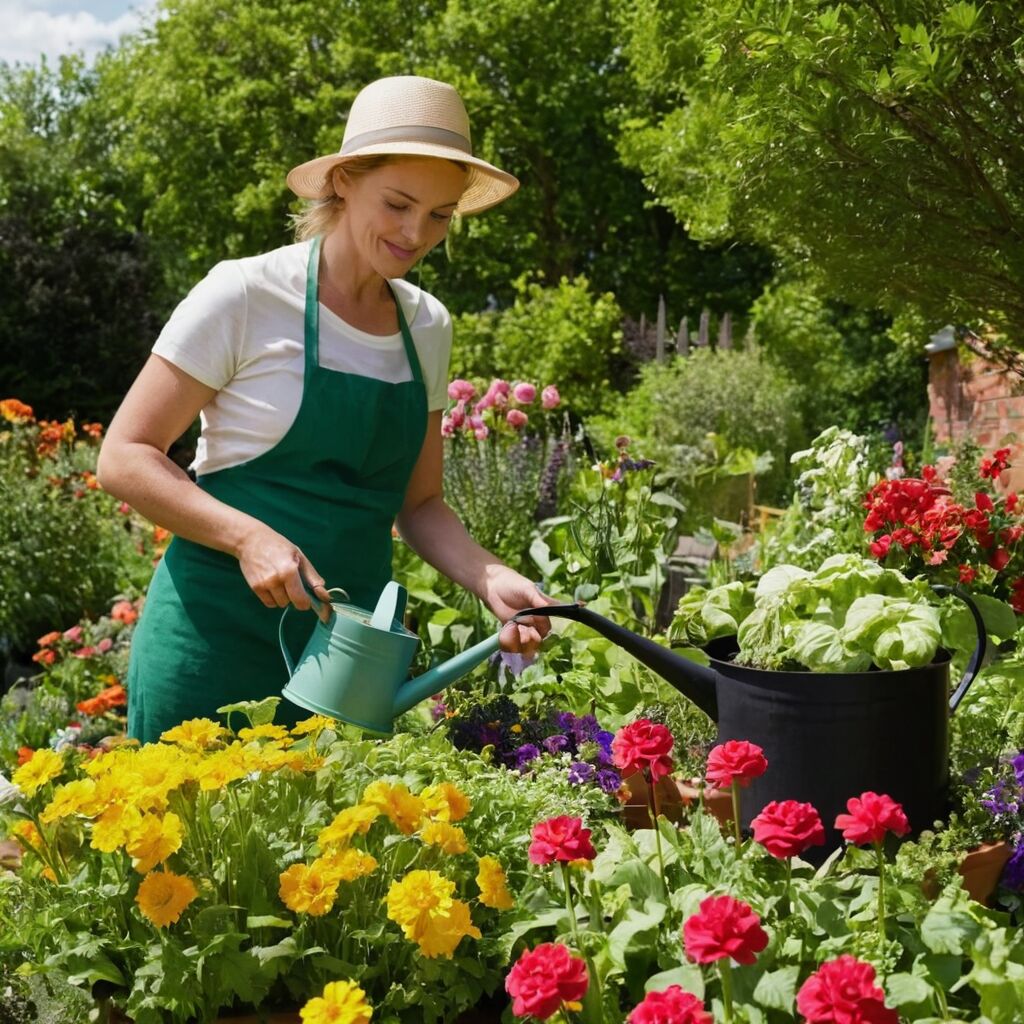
(397, 213)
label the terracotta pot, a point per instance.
(674, 796)
(981, 868)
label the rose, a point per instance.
(461, 390)
(643, 746)
(516, 418)
(545, 979)
(788, 828)
(724, 927)
(672, 1006)
(843, 991)
(735, 761)
(560, 839)
(871, 817)
(524, 393)
(549, 397)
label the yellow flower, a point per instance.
(269, 758)
(77, 797)
(446, 931)
(347, 823)
(114, 827)
(493, 886)
(195, 734)
(404, 809)
(308, 889)
(450, 838)
(163, 896)
(41, 768)
(445, 802)
(346, 865)
(264, 732)
(517, 728)
(315, 724)
(222, 767)
(153, 840)
(155, 770)
(27, 834)
(342, 1003)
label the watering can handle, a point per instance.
(390, 606)
(974, 665)
(316, 607)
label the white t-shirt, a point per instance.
(240, 330)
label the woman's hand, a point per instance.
(506, 593)
(274, 568)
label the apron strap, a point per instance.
(410, 349)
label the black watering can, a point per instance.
(827, 736)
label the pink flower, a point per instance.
(481, 433)
(643, 746)
(724, 927)
(124, 508)
(474, 422)
(74, 634)
(104, 645)
(871, 817)
(517, 418)
(485, 403)
(735, 761)
(524, 393)
(447, 427)
(843, 991)
(672, 1006)
(84, 652)
(788, 828)
(549, 397)
(461, 390)
(499, 387)
(545, 979)
(561, 839)
(458, 414)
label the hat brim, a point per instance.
(487, 185)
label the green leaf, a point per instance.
(948, 928)
(687, 976)
(907, 989)
(636, 931)
(776, 990)
(259, 712)
(268, 921)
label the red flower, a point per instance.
(992, 467)
(999, 559)
(643, 746)
(560, 839)
(870, 817)
(544, 979)
(84, 652)
(1011, 501)
(735, 760)
(905, 538)
(1017, 600)
(673, 1006)
(724, 927)
(788, 828)
(843, 991)
(983, 502)
(880, 547)
(967, 574)
(47, 656)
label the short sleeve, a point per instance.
(435, 376)
(205, 333)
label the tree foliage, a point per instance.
(880, 142)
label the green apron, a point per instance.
(333, 486)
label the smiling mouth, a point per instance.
(399, 252)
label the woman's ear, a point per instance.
(340, 181)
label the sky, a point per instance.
(29, 28)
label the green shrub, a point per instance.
(736, 394)
(563, 334)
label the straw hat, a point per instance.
(409, 116)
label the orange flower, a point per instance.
(112, 697)
(49, 639)
(160, 534)
(124, 611)
(93, 429)
(15, 412)
(45, 657)
(24, 755)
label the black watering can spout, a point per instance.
(692, 680)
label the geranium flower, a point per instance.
(163, 897)
(673, 1005)
(643, 746)
(49, 639)
(843, 991)
(562, 839)
(308, 888)
(124, 611)
(43, 767)
(493, 885)
(870, 817)
(737, 761)
(724, 927)
(788, 828)
(545, 979)
(342, 1002)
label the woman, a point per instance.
(320, 378)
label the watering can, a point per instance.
(827, 736)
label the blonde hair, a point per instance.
(318, 216)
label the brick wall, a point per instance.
(974, 398)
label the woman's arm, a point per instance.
(133, 466)
(437, 535)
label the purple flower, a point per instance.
(1018, 768)
(995, 802)
(565, 721)
(438, 710)
(586, 728)
(1013, 873)
(556, 744)
(609, 780)
(525, 754)
(580, 772)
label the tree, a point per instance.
(879, 143)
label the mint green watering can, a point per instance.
(356, 664)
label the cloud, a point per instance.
(28, 31)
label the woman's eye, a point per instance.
(441, 216)
(394, 206)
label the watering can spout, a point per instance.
(434, 680)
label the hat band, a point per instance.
(408, 133)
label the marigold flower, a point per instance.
(446, 931)
(673, 1005)
(445, 802)
(347, 865)
(15, 411)
(546, 979)
(43, 767)
(449, 839)
(163, 896)
(403, 809)
(264, 732)
(308, 889)
(76, 797)
(195, 733)
(735, 761)
(114, 827)
(49, 639)
(24, 755)
(153, 840)
(421, 904)
(561, 839)
(347, 823)
(643, 746)
(315, 723)
(844, 990)
(493, 884)
(27, 834)
(222, 767)
(724, 927)
(342, 1002)
(870, 817)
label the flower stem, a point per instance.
(881, 894)
(736, 814)
(652, 813)
(570, 909)
(789, 886)
(725, 969)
